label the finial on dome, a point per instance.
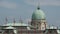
(38, 7)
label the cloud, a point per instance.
(7, 4)
(43, 2)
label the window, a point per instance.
(37, 26)
(42, 27)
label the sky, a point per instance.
(24, 8)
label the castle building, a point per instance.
(39, 19)
(38, 25)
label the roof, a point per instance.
(51, 27)
(15, 24)
(58, 31)
(38, 14)
(10, 27)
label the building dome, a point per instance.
(38, 14)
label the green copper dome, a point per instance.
(38, 14)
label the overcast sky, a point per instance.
(24, 8)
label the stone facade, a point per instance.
(24, 30)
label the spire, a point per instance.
(14, 20)
(38, 7)
(20, 20)
(6, 20)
